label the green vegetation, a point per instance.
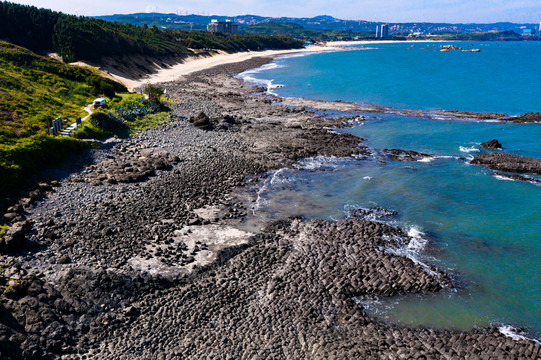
(127, 114)
(478, 36)
(20, 157)
(76, 38)
(34, 90)
(299, 32)
(3, 229)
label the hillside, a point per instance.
(34, 90)
(299, 32)
(199, 22)
(82, 38)
(37, 89)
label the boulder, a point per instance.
(492, 144)
(201, 121)
(13, 237)
(527, 117)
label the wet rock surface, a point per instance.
(404, 155)
(509, 163)
(527, 117)
(162, 267)
(493, 144)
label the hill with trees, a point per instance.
(322, 22)
(83, 38)
(299, 32)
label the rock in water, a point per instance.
(492, 144)
(509, 163)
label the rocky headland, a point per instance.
(147, 252)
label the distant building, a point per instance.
(527, 32)
(226, 27)
(382, 31)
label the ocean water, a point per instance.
(482, 227)
(504, 77)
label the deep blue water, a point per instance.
(483, 228)
(505, 77)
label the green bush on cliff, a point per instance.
(21, 157)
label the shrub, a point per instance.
(21, 157)
(154, 93)
(107, 121)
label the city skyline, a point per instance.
(447, 11)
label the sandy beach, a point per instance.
(195, 63)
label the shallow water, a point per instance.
(482, 227)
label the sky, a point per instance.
(450, 11)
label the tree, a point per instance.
(154, 93)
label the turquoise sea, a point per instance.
(482, 227)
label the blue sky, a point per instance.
(454, 11)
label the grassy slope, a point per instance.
(33, 91)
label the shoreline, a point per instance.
(128, 249)
(198, 63)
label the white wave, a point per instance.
(367, 178)
(504, 178)
(491, 121)
(269, 66)
(250, 76)
(321, 163)
(469, 149)
(297, 55)
(434, 157)
(514, 334)
(271, 86)
(416, 243)
(276, 178)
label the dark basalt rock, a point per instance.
(527, 117)
(404, 155)
(509, 163)
(202, 121)
(492, 144)
(13, 238)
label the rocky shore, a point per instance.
(147, 252)
(509, 163)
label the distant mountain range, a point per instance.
(199, 22)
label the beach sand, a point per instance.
(198, 63)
